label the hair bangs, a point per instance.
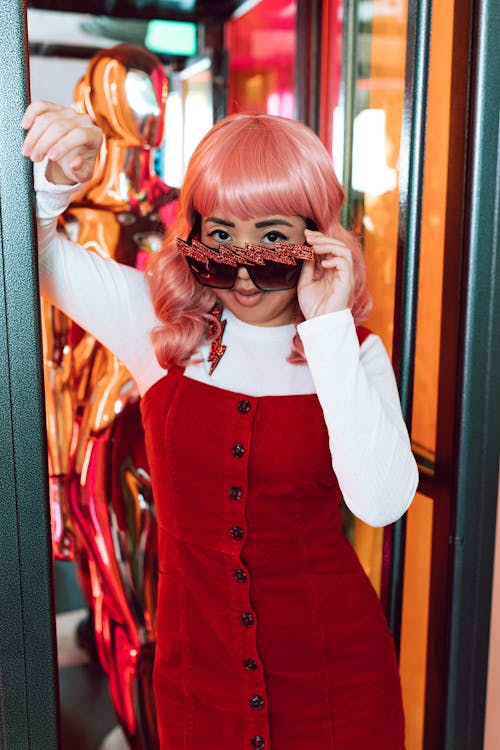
(257, 169)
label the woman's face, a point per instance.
(244, 300)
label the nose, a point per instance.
(243, 274)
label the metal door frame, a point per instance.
(465, 485)
(28, 669)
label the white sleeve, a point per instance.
(106, 298)
(369, 443)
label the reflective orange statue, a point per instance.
(102, 508)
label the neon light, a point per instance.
(172, 37)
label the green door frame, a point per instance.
(28, 669)
(477, 409)
(464, 486)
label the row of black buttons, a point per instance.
(256, 702)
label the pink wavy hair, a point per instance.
(249, 166)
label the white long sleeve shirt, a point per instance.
(355, 385)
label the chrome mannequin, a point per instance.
(95, 436)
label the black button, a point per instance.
(258, 742)
(247, 619)
(237, 533)
(256, 702)
(240, 576)
(235, 493)
(244, 406)
(238, 450)
(250, 664)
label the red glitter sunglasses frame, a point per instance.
(249, 255)
(270, 268)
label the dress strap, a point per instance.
(176, 371)
(362, 333)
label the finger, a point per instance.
(337, 270)
(331, 249)
(335, 262)
(37, 108)
(316, 238)
(85, 139)
(77, 167)
(322, 241)
(64, 137)
(47, 122)
(339, 260)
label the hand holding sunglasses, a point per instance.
(327, 285)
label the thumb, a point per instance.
(80, 169)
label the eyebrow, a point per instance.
(258, 224)
(272, 223)
(216, 220)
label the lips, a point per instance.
(247, 292)
(247, 297)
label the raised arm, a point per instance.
(108, 299)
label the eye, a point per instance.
(274, 236)
(220, 235)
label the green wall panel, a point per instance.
(27, 643)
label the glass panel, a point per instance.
(415, 617)
(425, 395)
(376, 132)
(261, 46)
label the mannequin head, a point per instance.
(124, 90)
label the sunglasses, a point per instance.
(270, 269)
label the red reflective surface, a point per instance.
(261, 45)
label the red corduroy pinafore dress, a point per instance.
(269, 634)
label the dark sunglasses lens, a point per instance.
(213, 274)
(274, 277)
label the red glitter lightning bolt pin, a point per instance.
(217, 348)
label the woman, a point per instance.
(264, 401)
